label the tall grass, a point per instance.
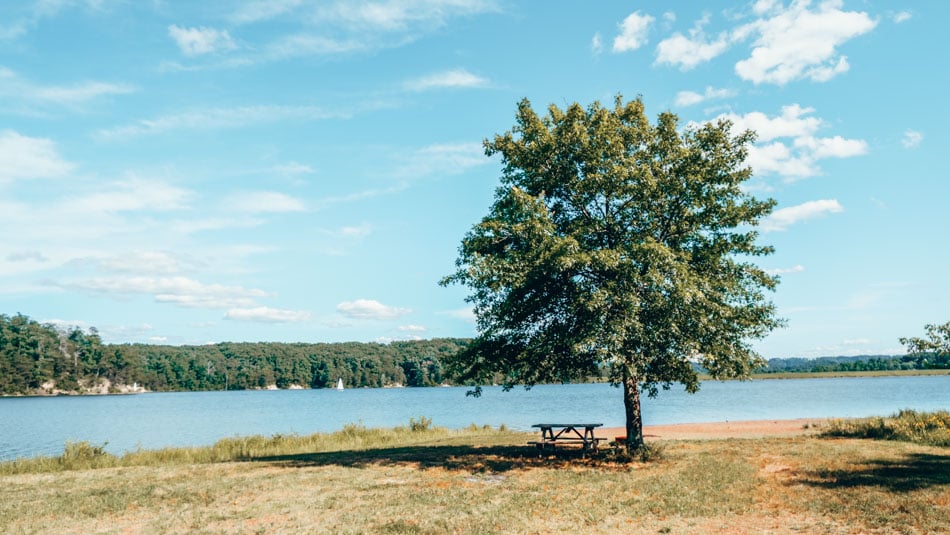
(928, 428)
(352, 437)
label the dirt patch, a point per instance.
(716, 430)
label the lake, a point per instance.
(41, 425)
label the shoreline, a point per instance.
(125, 389)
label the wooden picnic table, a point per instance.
(554, 435)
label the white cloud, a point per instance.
(799, 42)
(24, 157)
(456, 78)
(257, 202)
(368, 309)
(902, 16)
(199, 41)
(214, 118)
(912, 138)
(783, 218)
(798, 157)
(634, 32)
(688, 52)
(791, 123)
(181, 291)
(413, 328)
(690, 98)
(267, 315)
(832, 147)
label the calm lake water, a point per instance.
(42, 425)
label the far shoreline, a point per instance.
(702, 378)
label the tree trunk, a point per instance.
(631, 404)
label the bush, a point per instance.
(423, 424)
(85, 455)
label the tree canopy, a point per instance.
(937, 343)
(613, 242)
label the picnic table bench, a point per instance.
(554, 435)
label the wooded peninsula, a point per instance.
(41, 359)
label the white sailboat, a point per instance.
(339, 384)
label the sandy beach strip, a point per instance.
(715, 430)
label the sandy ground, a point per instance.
(738, 429)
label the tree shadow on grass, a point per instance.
(473, 459)
(913, 472)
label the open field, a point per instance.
(483, 481)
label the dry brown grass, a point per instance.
(492, 483)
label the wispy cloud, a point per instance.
(257, 202)
(442, 159)
(261, 10)
(333, 28)
(453, 79)
(690, 98)
(267, 315)
(912, 139)
(36, 97)
(783, 218)
(798, 268)
(634, 32)
(368, 309)
(902, 16)
(201, 40)
(180, 291)
(23, 157)
(216, 118)
(132, 195)
(596, 44)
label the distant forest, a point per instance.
(41, 359)
(38, 359)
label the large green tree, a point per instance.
(616, 243)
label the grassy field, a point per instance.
(482, 480)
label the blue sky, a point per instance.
(291, 170)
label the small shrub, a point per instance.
(423, 424)
(85, 455)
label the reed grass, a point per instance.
(352, 437)
(931, 428)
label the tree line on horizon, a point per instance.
(37, 358)
(33, 355)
